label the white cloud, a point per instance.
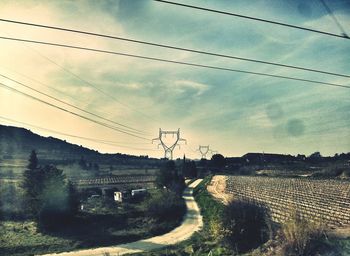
(182, 86)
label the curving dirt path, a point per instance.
(192, 222)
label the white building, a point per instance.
(118, 196)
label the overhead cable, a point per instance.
(130, 129)
(172, 48)
(107, 142)
(174, 61)
(71, 112)
(254, 18)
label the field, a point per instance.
(319, 200)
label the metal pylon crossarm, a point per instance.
(169, 148)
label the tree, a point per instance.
(48, 196)
(168, 177)
(73, 199)
(32, 185)
(185, 168)
(189, 169)
(33, 161)
(82, 163)
(315, 158)
(315, 155)
(58, 200)
(218, 161)
(166, 174)
(193, 169)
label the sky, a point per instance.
(234, 113)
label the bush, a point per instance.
(245, 226)
(302, 237)
(165, 206)
(240, 226)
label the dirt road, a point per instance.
(192, 222)
(217, 189)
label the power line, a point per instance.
(175, 62)
(107, 142)
(88, 83)
(170, 47)
(53, 88)
(92, 85)
(71, 112)
(133, 130)
(42, 84)
(254, 18)
(188, 146)
(334, 19)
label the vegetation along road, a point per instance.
(192, 222)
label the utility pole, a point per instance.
(168, 149)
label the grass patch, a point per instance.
(343, 244)
(210, 208)
(23, 238)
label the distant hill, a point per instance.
(17, 143)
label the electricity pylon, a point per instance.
(203, 150)
(168, 149)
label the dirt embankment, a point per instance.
(217, 188)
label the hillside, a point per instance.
(16, 144)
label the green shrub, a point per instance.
(245, 226)
(165, 206)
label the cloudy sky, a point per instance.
(234, 113)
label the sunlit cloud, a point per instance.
(233, 112)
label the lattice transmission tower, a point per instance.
(169, 148)
(203, 150)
